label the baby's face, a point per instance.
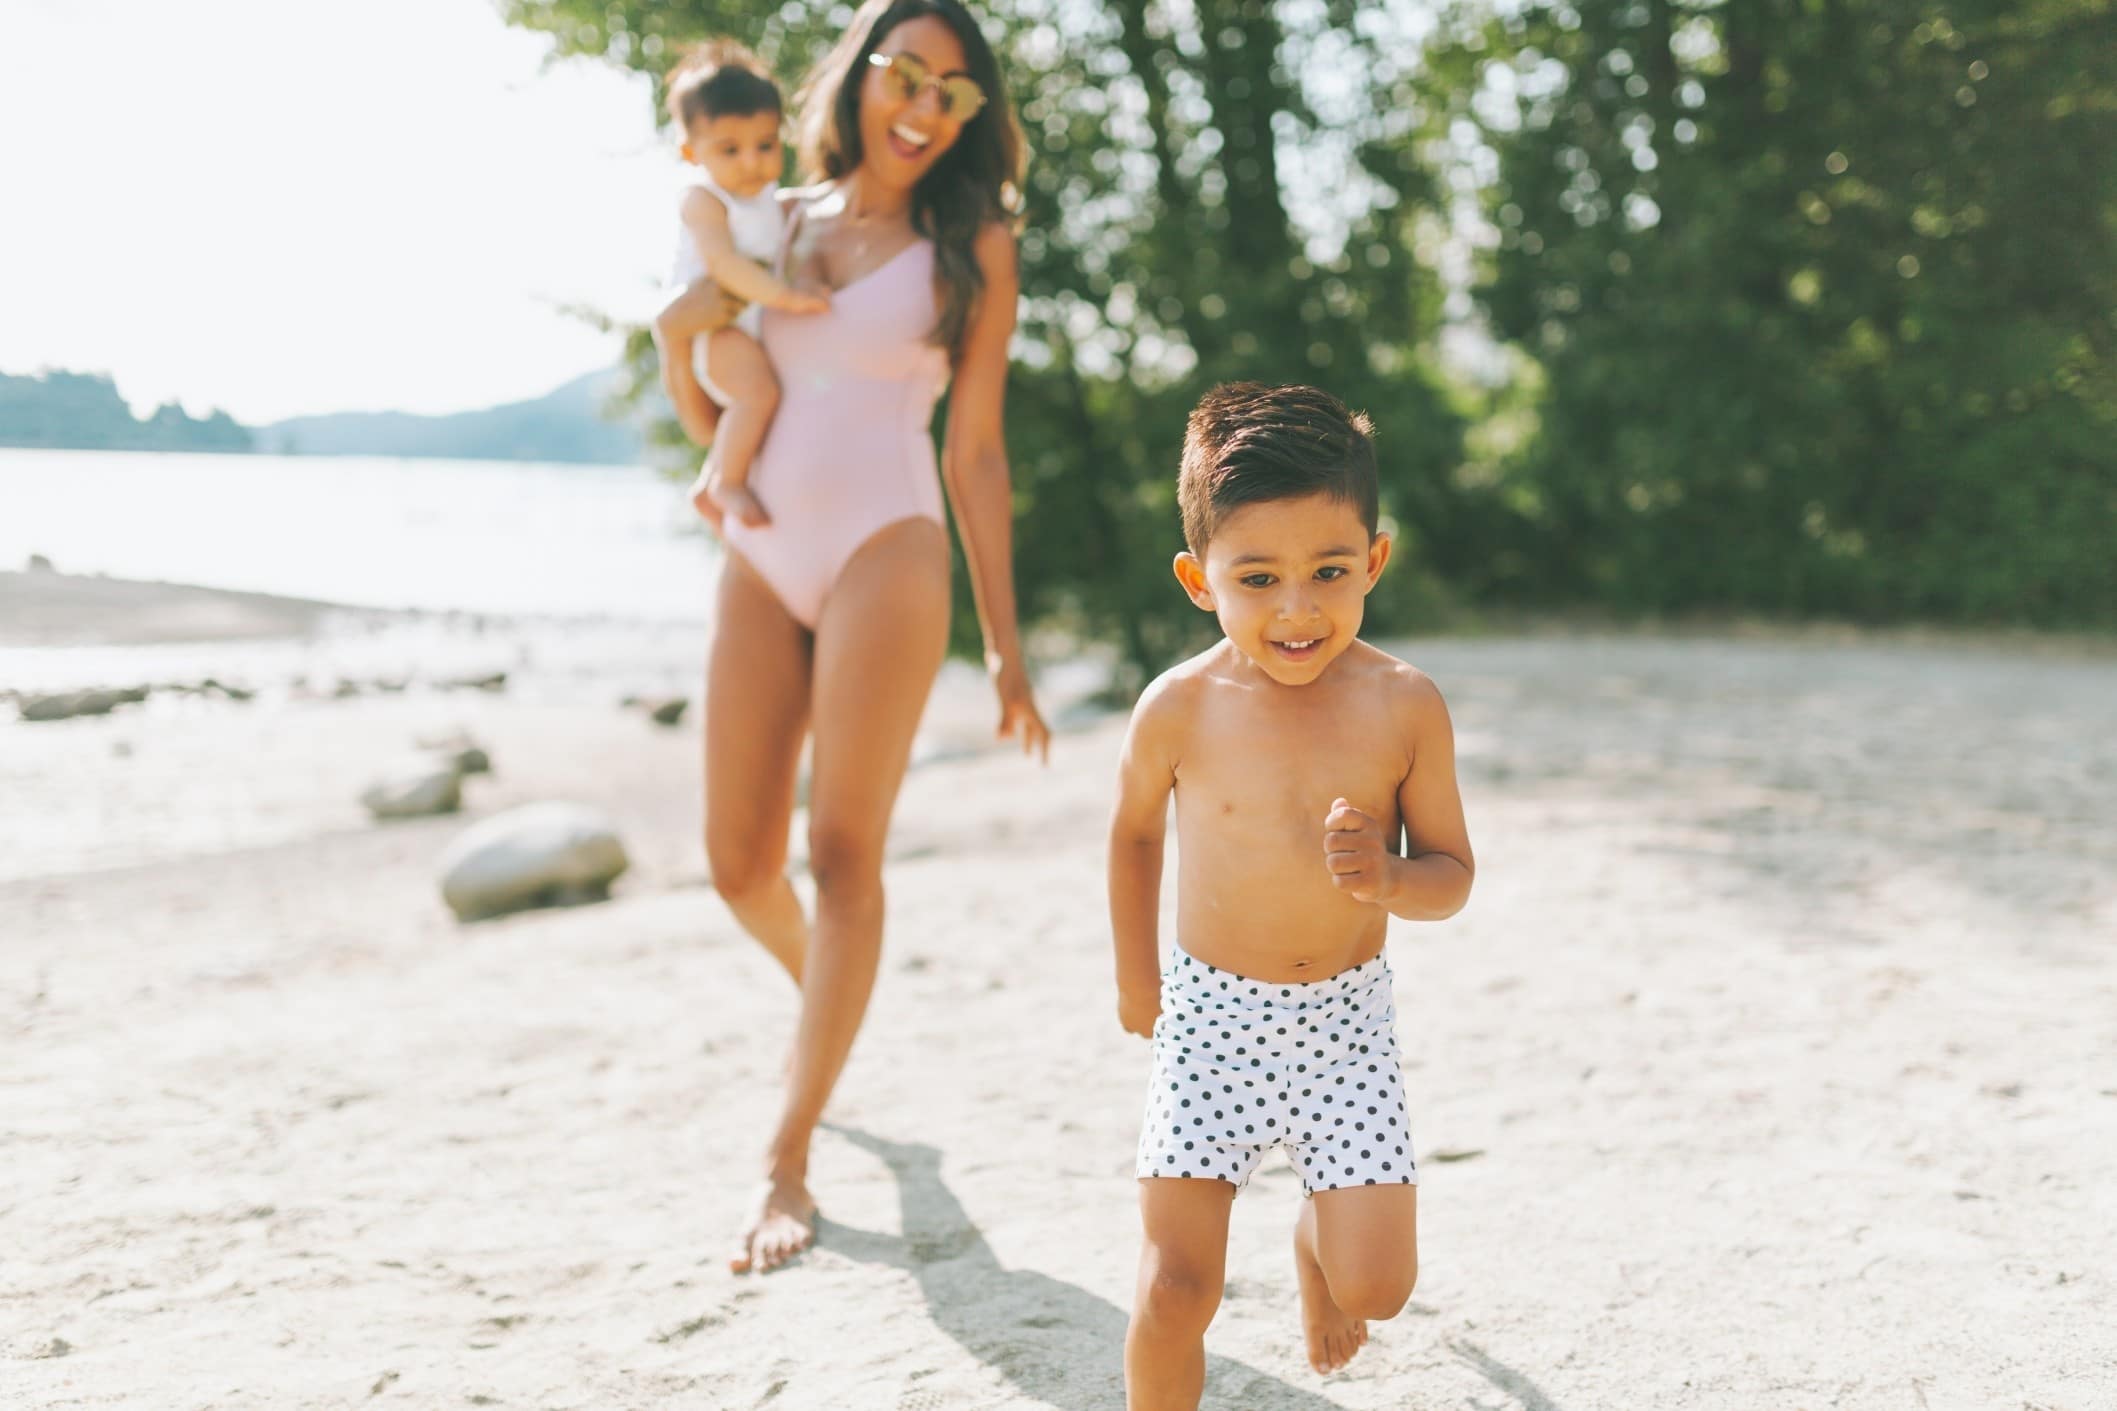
(1288, 580)
(741, 153)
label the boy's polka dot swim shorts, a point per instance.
(1241, 1066)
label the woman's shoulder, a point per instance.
(994, 247)
(791, 197)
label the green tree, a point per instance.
(1220, 190)
(1822, 295)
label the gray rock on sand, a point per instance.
(667, 711)
(470, 759)
(544, 854)
(458, 750)
(415, 793)
(65, 705)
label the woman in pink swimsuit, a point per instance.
(833, 618)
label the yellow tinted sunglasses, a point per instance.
(908, 77)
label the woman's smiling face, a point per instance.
(901, 138)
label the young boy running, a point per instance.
(1298, 755)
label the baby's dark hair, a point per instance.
(1247, 443)
(719, 79)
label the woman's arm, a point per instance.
(974, 465)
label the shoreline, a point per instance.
(50, 608)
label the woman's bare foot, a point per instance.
(782, 1223)
(1333, 1334)
(738, 501)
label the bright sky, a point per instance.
(291, 206)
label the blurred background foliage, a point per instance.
(1798, 307)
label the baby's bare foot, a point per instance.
(738, 501)
(782, 1223)
(1333, 1334)
(702, 497)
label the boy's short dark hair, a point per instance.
(1247, 443)
(720, 79)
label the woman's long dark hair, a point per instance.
(975, 182)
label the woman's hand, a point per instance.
(1018, 713)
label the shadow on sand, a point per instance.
(1525, 1392)
(1050, 1339)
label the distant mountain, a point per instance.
(563, 425)
(83, 411)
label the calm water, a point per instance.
(489, 537)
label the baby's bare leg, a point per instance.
(697, 310)
(742, 374)
(1357, 1252)
(1182, 1264)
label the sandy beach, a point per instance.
(1774, 1063)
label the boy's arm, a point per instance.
(699, 308)
(1138, 827)
(1431, 880)
(707, 220)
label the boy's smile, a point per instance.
(1288, 580)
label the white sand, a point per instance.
(1783, 1025)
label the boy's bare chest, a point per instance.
(1273, 779)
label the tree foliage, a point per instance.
(1824, 296)
(1217, 190)
(1808, 306)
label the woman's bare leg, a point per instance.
(878, 647)
(757, 711)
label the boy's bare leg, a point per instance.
(1334, 1335)
(1357, 1252)
(695, 411)
(743, 375)
(699, 309)
(1182, 1264)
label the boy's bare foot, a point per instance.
(738, 501)
(782, 1223)
(1333, 1334)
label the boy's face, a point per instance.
(1288, 580)
(741, 153)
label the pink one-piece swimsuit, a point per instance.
(850, 451)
